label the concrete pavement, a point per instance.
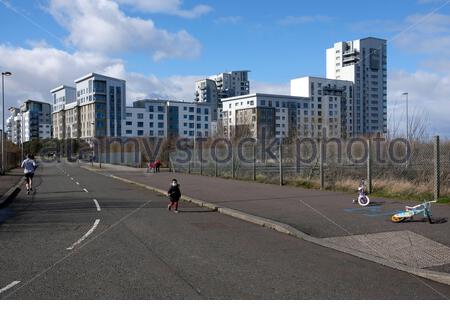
(367, 232)
(140, 251)
(9, 188)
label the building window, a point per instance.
(140, 116)
(140, 132)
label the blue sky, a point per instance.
(161, 47)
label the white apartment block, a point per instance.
(36, 120)
(363, 62)
(101, 101)
(95, 107)
(221, 86)
(167, 118)
(14, 126)
(264, 115)
(72, 121)
(61, 96)
(331, 106)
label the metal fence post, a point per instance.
(216, 166)
(369, 166)
(297, 158)
(281, 162)
(201, 159)
(437, 168)
(254, 162)
(189, 166)
(232, 161)
(322, 176)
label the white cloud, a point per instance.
(427, 34)
(428, 94)
(172, 7)
(100, 26)
(39, 69)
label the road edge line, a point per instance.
(440, 277)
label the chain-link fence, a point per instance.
(394, 168)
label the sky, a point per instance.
(162, 46)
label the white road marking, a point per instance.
(85, 190)
(85, 236)
(97, 205)
(71, 179)
(9, 286)
(77, 183)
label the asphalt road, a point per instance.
(133, 248)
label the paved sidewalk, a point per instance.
(9, 180)
(321, 214)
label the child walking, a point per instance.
(174, 196)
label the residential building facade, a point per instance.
(36, 120)
(331, 106)
(14, 126)
(263, 116)
(363, 62)
(101, 101)
(221, 86)
(156, 118)
(61, 96)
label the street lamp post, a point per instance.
(4, 163)
(94, 134)
(407, 114)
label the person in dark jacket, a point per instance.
(174, 194)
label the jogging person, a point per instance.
(29, 167)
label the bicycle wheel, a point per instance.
(397, 219)
(364, 201)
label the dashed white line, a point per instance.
(71, 179)
(9, 286)
(85, 236)
(97, 205)
(85, 190)
(77, 183)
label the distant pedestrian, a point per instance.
(29, 167)
(174, 194)
(157, 165)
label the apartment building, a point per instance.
(14, 126)
(36, 120)
(95, 107)
(331, 106)
(363, 62)
(101, 102)
(72, 121)
(221, 86)
(61, 96)
(263, 115)
(156, 118)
